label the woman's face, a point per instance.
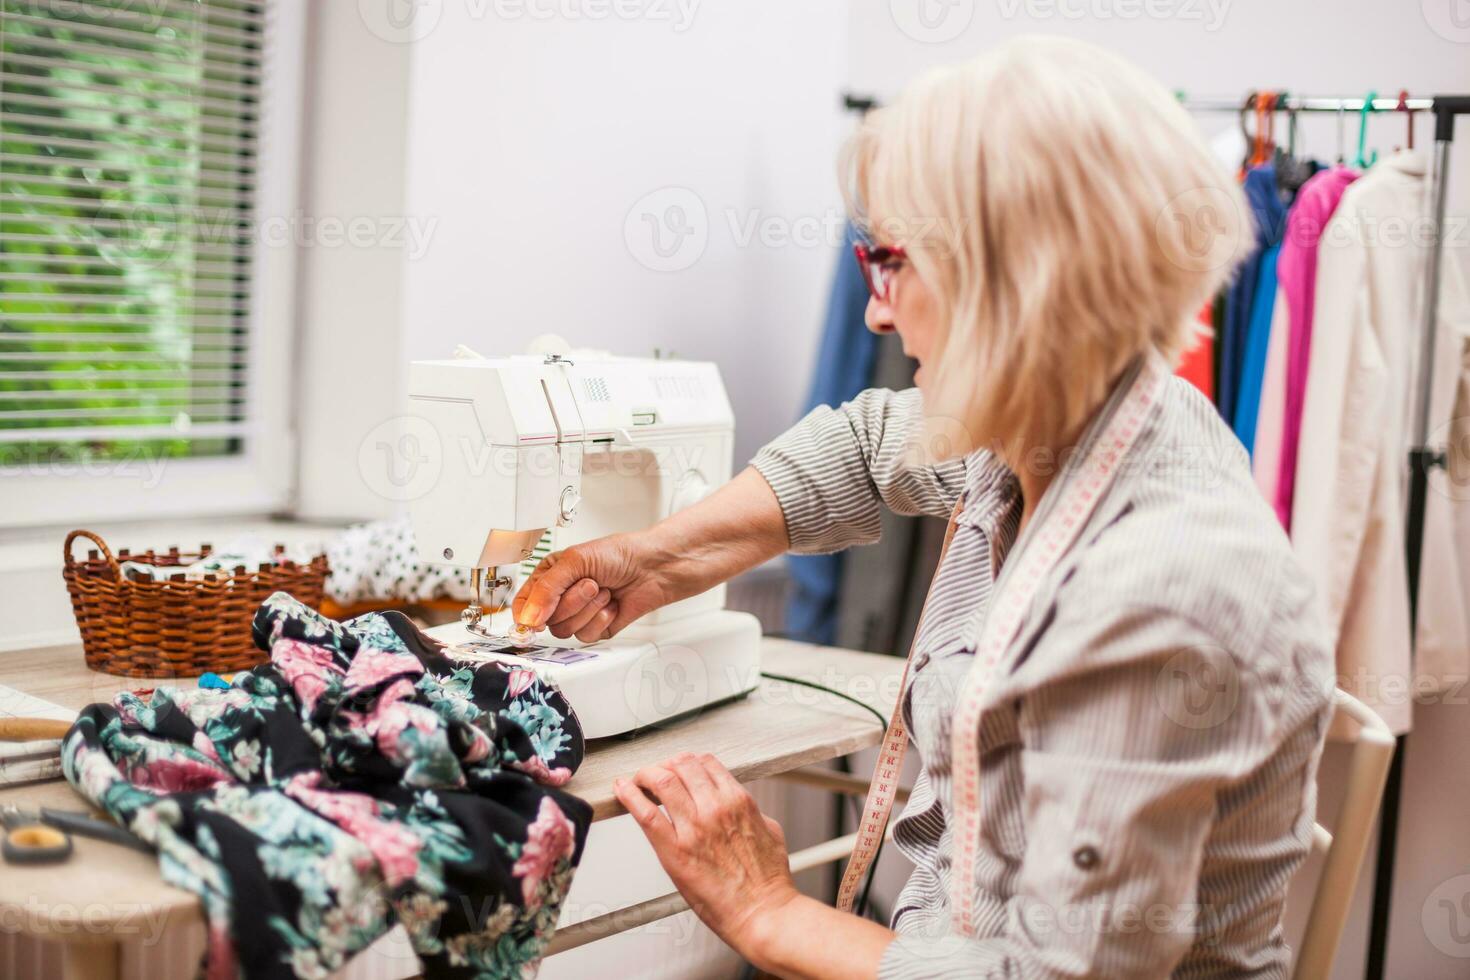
(909, 310)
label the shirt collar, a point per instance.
(1410, 163)
(989, 485)
(992, 490)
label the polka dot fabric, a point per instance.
(380, 560)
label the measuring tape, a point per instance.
(1008, 608)
(881, 790)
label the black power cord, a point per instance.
(862, 905)
(883, 722)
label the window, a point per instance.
(132, 347)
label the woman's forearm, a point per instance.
(809, 940)
(734, 529)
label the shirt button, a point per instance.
(1085, 858)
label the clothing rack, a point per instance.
(855, 102)
(1422, 458)
(1293, 103)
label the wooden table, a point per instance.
(105, 894)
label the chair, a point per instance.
(1373, 748)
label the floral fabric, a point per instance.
(358, 780)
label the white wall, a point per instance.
(349, 373)
(535, 144)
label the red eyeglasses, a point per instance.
(880, 265)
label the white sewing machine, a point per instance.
(539, 452)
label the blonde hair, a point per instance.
(1067, 217)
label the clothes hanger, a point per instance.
(1261, 146)
(1246, 134)
(1291, 171)
(1266, 127)
(1363, 161)
(1341, 138)
(1403, 107)
(1290, 125)
(1247, 106)
(1268, 116)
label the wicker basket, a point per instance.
(176, 627)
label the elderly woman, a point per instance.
(1120, 684)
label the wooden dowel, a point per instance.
(32, 729)
(835, 782)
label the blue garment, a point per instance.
(1270, 222)
(844, 368)
(1257, 340)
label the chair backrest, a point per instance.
(1373, 748)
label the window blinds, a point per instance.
(128, 133)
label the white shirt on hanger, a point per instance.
(1348, 517)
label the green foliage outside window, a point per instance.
(127, 139)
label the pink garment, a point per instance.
(1296, 273)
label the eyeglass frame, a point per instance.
(879, 265)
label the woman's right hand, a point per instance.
(593, 590)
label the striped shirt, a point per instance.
(1149, 744)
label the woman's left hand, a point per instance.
(726, 858)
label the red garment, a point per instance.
(1196, 365)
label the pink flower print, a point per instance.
(392, 844)
(222, 961)
(371, 667)
(204, 745)
(292, 657)
(391, 716)
(520, 681)
(305, 668)
(396, 849)
(536, 768)
(388, 723)
(177, 775)
(127, 710)
(309, 688)
(479, 745)
(549, 839)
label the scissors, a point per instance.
(44, 836)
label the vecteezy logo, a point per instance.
(146, 236)
(1450, 19)
(667, 230)
(401, 459)
(1198, 688)
(673, 684)
(400, 21)
(932, 21)
(1446, 917)
(1199, 230)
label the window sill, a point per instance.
(34, 605)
